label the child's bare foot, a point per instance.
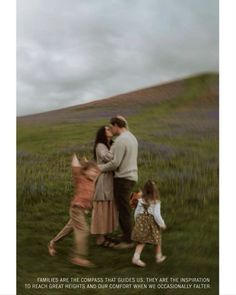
(51, 249)
(82, 262)
(138, 262)
(160, 259)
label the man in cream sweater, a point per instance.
(124, 165)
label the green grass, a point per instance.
(178, 147)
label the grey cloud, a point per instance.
(70, 52)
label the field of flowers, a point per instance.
(178, 147)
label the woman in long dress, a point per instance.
(104, 214)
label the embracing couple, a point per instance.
(107, 184)
(118, 163)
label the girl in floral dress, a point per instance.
(148, 223)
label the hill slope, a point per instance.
(176, 125)
(129, 103)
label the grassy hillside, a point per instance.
(176, 125)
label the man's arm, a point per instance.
(118, 150)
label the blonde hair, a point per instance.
(124, 120)
(87, 165)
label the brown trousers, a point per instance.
(67, 229)
(77, 223)
(81, 231)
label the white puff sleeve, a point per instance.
(157, 215)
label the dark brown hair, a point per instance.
(100, 138)
(150, 192)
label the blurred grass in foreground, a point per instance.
(178, 147)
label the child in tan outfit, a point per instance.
(84, 178)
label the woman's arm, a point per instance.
(103, 153)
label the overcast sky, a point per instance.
(71, 52)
